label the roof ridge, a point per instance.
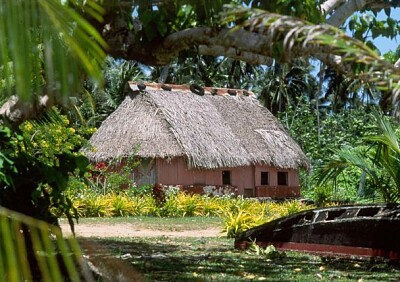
(136, 86)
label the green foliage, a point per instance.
(367, 27)
(31, 250)
(319, 134)
(379, 160)
(285, 85)
(322, 195)
(49, 137)
(140, 190)
(46, 45)
(160, 19)
(6, 164)
(306, 10)
(114, 176)
(36, 166)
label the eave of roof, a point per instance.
(212, 131)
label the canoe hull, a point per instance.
(372, 231)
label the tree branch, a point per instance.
(15, 110)
(344, 11)
(328, 6)
(236, 54)
(263, 36)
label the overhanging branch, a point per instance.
(345, 10)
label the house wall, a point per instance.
(293, 175)
(246, 179)
(145, 173)
(175, 172)
(273, 189)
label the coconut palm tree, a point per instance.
(97, 102)
(379, 159)
(284, 85)
(345, 93)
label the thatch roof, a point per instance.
(210, 131)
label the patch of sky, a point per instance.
(385, 44)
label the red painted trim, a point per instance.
(277, 191)
(329, 250)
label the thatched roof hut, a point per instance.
(214, 130)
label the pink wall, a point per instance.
(293, 176)
(174, 172)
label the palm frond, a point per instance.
(47, 44)
(380, 161)
(341, 160)
(32, 250)
(386, 137)
(286, 38)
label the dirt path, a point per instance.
(130, 230)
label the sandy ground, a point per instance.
(129, 230)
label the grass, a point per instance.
(158, 223)
(214, 259)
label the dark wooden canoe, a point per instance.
(367, 230)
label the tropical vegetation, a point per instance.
(56, 85)
(377, 158)
(237, 213)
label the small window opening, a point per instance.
(226, 177)
(248, 192)
(282, 178)
(264, 178)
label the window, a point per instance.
(226, 177)
(264, 178)
(248, 192)
(282, 178)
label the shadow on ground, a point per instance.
(215, 259)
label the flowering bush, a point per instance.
(114, 176)
(50, 137)
(42, 155)
(221, 191)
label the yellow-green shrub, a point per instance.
(97, 206)
(244, 214)
(144, 205)
(238, 214)
(208, 206)
(275, 210)
(241, 215)
(121, 205)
